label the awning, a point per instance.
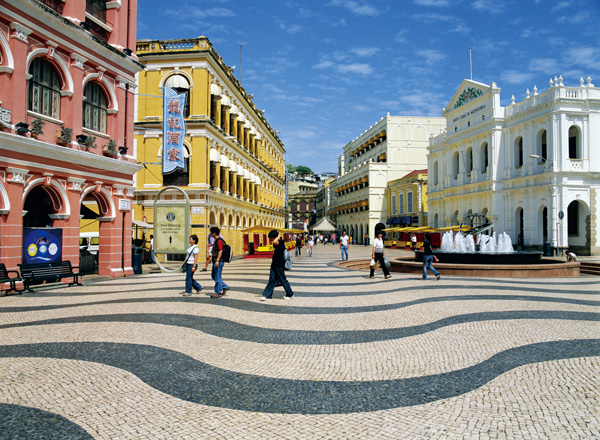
(324, 225)
(397, 221)
(141, 224)
(214, 155)
(390, 221)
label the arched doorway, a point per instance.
(578, 227)
(379, 227)
(519, 225)
(39, 207)
(89, 235)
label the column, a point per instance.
(11, 222)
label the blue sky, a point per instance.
(325, 71)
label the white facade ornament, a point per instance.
(20, 32)
(18, 175)
(76, 184)
(78, 60)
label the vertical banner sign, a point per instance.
(173, 131)
(42, 245)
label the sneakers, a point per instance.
(264, 298)
(187, 293)
(389, 276)
(288, 297)
(217, 295)
(199, 290)
(438, 276)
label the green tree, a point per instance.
(303, 170)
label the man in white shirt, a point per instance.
(377, 256)
(344, 244)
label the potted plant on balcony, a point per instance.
(36, 127)
(64, 135)
(110, 149)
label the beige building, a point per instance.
(389, 150)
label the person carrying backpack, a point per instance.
(277, 272)
(217, 263)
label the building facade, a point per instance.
(532, 167)
(234, 173)
(389, 150)
(407, 200)
(67, 77)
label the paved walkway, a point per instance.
(347, 358)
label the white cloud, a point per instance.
(291, 29)
(545, 65)
(357, 7)
(360, 69)
(219, 12)
(431, 56)
(580, 17)
(588, 57)
(516, 77)
(488, 6)
(364, 52)
(435, 3)
(323, 64)
(433, 17)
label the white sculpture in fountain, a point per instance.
(488, 244)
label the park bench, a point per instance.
(49, 272)
(5, 277)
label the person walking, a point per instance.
(344, 245)
(191, 264)
(413, 241)
(277, 273)
(209, 245)
(152, 248)
(377, 254)
(217, 263)
(428, 258)
(310, 244)
(298, 246)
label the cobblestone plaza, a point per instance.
(347, 358)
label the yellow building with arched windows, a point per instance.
(235, 160)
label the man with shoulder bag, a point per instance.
(217, 263)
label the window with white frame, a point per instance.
(44, 89)
(401, 203)
(409, 202)
(94, 107)
(394, 204)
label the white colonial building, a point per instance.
(532, 167)
(389, 150)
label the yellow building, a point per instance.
(407, 201)
(235, 160)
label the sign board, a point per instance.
(171, 228)
(124, 205)
(42, 245)
(197, 210)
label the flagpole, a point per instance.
(471, 64)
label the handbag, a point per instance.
(186, 258)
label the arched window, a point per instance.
(44, 89)
(97, 9)
(518, 152)
(179, 177)
(455, 165)
(469, 160)
(94, 107)
(574, 143)
(542, 148)
(181, 85)
(484, 157)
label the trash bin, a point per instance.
(251, 248)
(137, 254)
(547, 249)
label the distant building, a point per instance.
(407, 200)
(532, 167)
(67, 82)
(389, 150)
(234, 173)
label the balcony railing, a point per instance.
(55, 5)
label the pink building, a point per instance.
(67, 77)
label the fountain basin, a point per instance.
(544, 268)
(509, 258)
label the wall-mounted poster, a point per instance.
(42, 245)
(171, 228)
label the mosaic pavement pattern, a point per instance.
(347, 358)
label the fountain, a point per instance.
(475, 250)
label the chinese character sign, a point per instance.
(173, 131)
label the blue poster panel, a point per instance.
(42, 245)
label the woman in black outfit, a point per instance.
(428, 258)
(277, 268)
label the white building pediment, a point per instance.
(467, 93)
